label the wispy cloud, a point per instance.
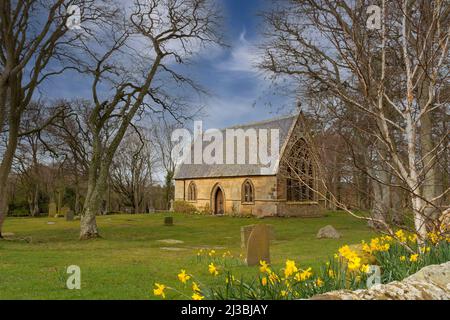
(243, 56)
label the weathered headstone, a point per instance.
(168, 221)
(70, 215)
(151, 210)
(171, 206)
(328, 232)
(247, 230)
(63, 211)
(52, 209)
(258, 245)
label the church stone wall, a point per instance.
(269, 197)
(264, 203)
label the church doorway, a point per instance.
(218, 201)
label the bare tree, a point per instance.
(29, 156)
(393, 78)
(167, 32)
(133, 169)
(72, 141)
(162, 141)
(34, 44)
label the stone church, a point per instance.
(254, 189)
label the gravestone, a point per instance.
(52, 209)
(258, 245)
(168, 221)
(171, 206)
(247, 230)
(64, 210)
(328, 232)
(70, 215)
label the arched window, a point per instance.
(300, 173)
(248, 192)
(192, 192)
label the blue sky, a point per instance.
(239, 92)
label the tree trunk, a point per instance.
(34, 205)
(88, 224)
(92, 207)
(430, 184)
(168, 188)
(5, 166)
(419, 219)
(94, 199)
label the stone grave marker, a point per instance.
(52, 209)
(247, 230)
(64, 210)
(70, 215)
(258, 245)
(168, 221)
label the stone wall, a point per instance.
(429, 283)
(266, 201)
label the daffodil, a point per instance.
(264, 267)
(159, 290)
(264, 281)
(365, 268)
(402, 258)
(400, 235)
(304, 275)
(354, 263)
(290, 268)
(227, 254)
(183, 276)
(331, 273)
(273, 278)
(230, 279)
(212, 269)
(319, 282)
(413, 257)
(412, 238)
(195, 287)
(197, 296)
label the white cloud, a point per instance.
(243, 57)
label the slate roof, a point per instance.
(190, 171)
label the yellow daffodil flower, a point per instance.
(159, 290)
(183, 276)
(319, 282)
(195, 287)
(413, 257)
(290, 268)
(197, 296)
(264, 281)
(264, 267)
(212, 269)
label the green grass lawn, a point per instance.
(128, 260)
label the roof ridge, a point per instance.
(292, 115)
